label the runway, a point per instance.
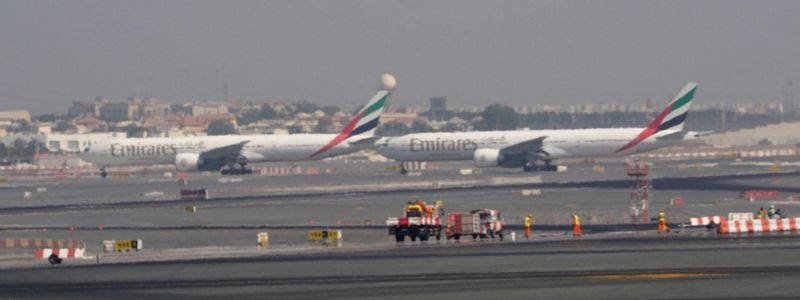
(211, 252)
(612, 268)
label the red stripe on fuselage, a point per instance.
(647, 132)
(341, 136)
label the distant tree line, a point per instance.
(21, 149)
(501, 117)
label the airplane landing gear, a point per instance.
(241, 170)
(533, 167)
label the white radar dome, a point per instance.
(388, 82)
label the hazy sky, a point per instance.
(332, 52)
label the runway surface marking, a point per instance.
(655, 276)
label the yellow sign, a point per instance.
(123, 245)
(319, 235)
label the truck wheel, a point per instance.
(399, 237)
(413, 237)
(423, 237)
(457, 237)
(439, 236)
(54, 259)
(474, 236)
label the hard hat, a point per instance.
(661, 209)
(529, 215)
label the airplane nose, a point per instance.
(85, 154)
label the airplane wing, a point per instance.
(532, 147)
(228, 154)
(680, 135)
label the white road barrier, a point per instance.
(705, 220)
(761, 225)
(60, 252)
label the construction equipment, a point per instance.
(420, 221)
(479, 223)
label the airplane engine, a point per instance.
(488, 158)
(187, 161)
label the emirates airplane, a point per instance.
(525, 148)
(231, 153)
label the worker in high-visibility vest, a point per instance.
(448, 231)
(576, 225)
(662, 221)
(429, 211)
(527, 225)
(761, 213)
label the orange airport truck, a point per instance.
(420, 221)
(479, 223)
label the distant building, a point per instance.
(119, 111)
(88, 107)
(11, 116)
(438, 109)
(88, 123)
(150, 107)
(44, 128)
(404, 118)
(201, 108)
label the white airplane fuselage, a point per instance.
(259, 148)
(562, 143)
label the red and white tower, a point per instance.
(640, 190)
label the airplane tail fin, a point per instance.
(672, 117)
(367, 119)
(364, 123)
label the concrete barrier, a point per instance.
(705, 220)
(60, 252)
(761, 225)
(34, 243)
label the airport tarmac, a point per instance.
(620, 267)
(218, 240)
